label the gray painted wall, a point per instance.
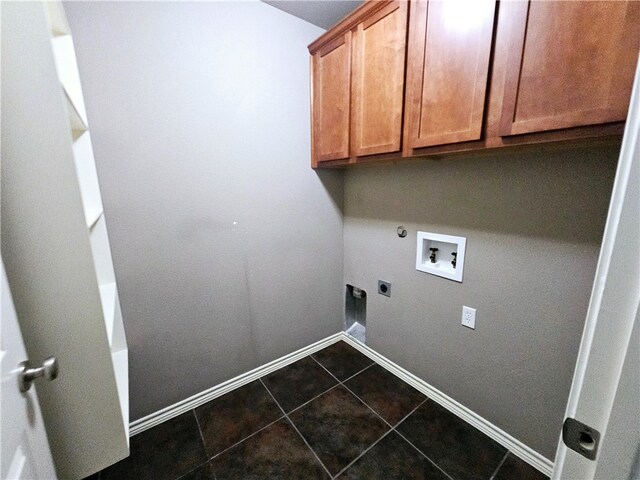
(533, 223)
(227, 246)
(200, 119)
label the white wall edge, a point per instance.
(201, 398)
(512, 444)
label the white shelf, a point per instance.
(121, 370)
(102, 252)
(57, 19)
(67, 67)
(88, 179)
(109, 297)
(76, 125)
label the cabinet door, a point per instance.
(448, 64)
(570, 64)
(331, 100)
(378, 81)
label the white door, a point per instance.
(55, 260)
(24, 451)
(604, 393)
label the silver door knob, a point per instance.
(27, 375)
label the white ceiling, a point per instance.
(323, 13)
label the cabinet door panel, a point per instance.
(331, 100)
(570, 64)
(449, 49)
(378, 81)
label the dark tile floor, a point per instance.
(333, 414)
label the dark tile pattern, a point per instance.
(228, 419)
(514, 468)
(389, 396)
(392, 458)
(338, 427)
(166, 451)
(297, 383)
(342, 360)
(459, 449)
(245, 435)
(277, 452)
(203, 472)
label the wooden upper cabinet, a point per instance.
(570, 64)
(331, 76)
(377, 81)
(358, 84)
(448, 65)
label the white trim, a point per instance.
(512, 444)
(201, 398)
(515, 446)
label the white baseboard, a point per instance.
(201, 398)
(510, 443)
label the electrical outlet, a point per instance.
(469, 317)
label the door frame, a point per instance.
(615, 298)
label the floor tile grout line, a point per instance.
(423, 454)
(411, 412)
(322, 393)
(204, 448)
(245, 438)
(190, 471)
(204, 445)
(358, 372)
(359, 399)
(391, 426)
(366, 405)
(348, 378)
(312, 399)
(362, 453)
(297, 431)
(394, 428)
(337, 379)
(309, 446)
(495, 472)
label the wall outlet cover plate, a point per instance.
(469, 317)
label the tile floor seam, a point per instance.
(245, 438)
(362, 454)
(495, 472)
(422, 453)
(416, 448)
(314, 398)
(190, 471)
(308, 446)
(357, 397)
(204, 446)
(366, 405)
(391, 426)
(346, 379)
(302, 404)
(357, 373)
(411, 412)
(298, 431)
